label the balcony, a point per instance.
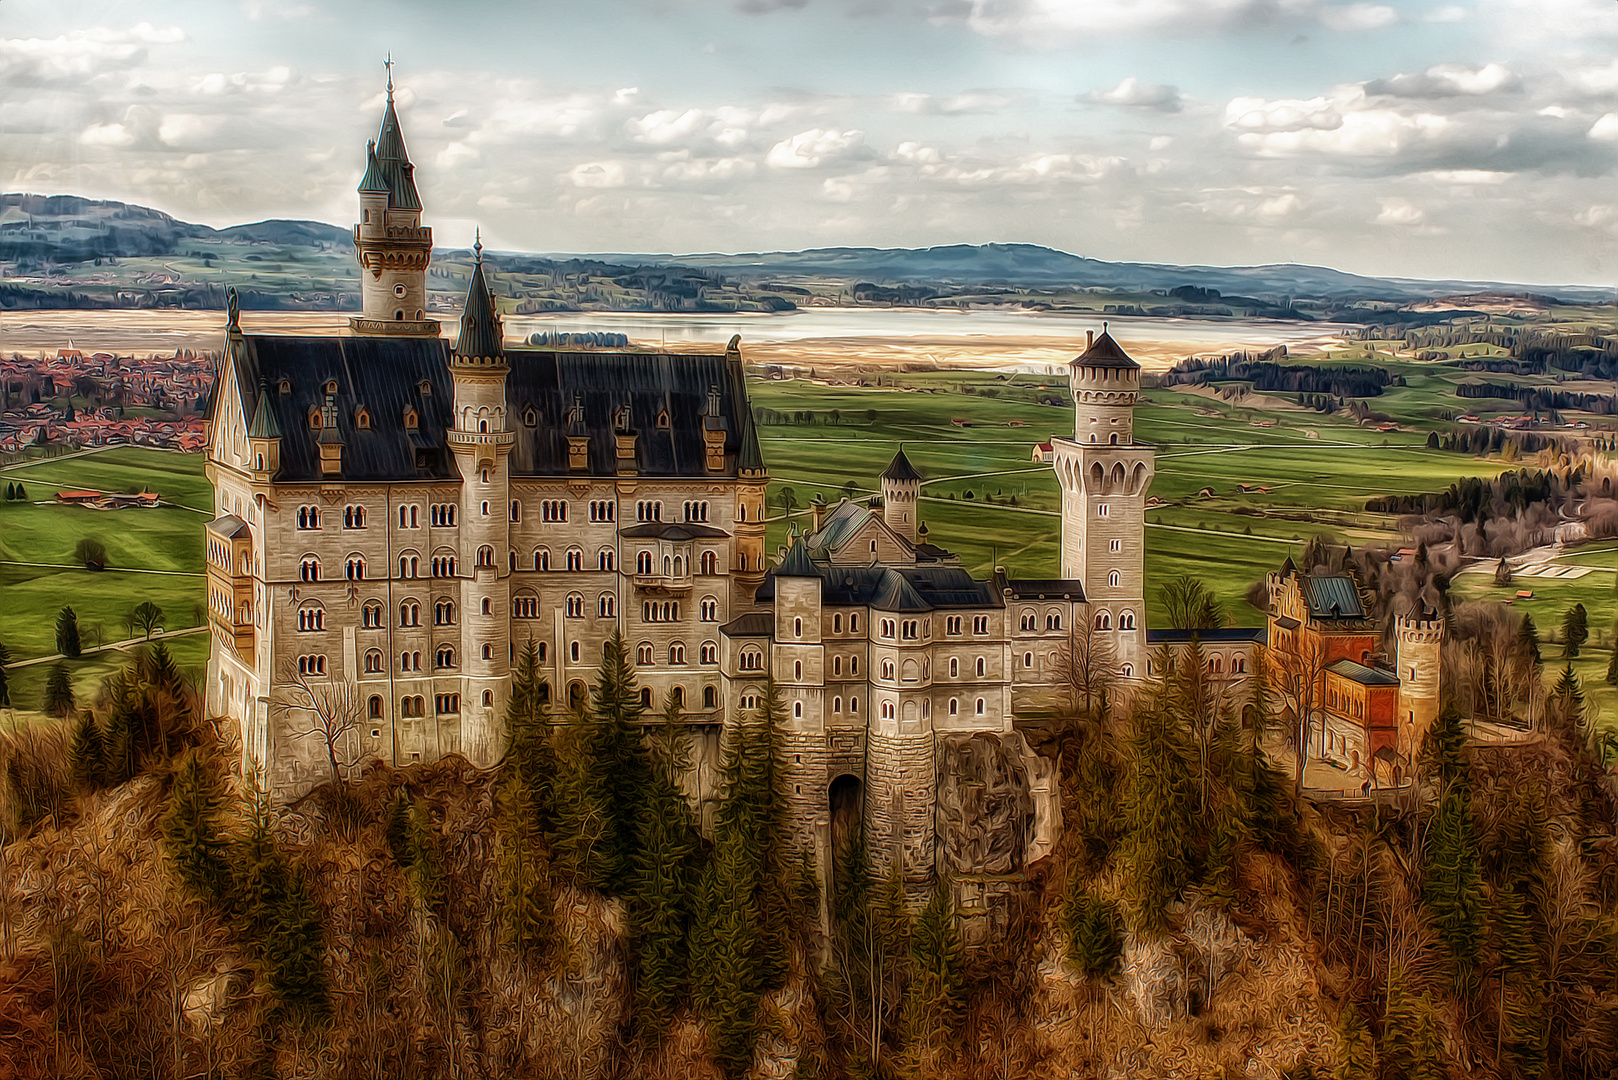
(663, 583)
(481, 438)
(394, 328)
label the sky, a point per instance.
(1423, 138)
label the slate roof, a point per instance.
(1365, 676)
(796, 563)
(481, 332)
(227, 527)
(394, 162)
(1332, 596)
(839, 525)
(672, 530)
(895, 588)
(1258, 634)
(753, 624)
(900, 468)
(1040, 588)
(385, 375)
(263, 425)
(1104, 352)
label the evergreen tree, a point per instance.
(67, 634)
(421, 858)
(193, 829)
(1528, 638)
(1157, 813)
(530, 752)
(1569, 698)
(1356, 1053)
(5, 679)
(726, 984)
(86, 753)
(1522, 997)
(1612, 666)
(1095, 931)
(1452, 885)
(22, 494)
(294, 950)
(936, 997)
(619, 755)
(527, 910)
(398, 830)
(579, 801)
(1575, 630)
(58, 691)
(662, 885)
(1410, 1044)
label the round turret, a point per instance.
(901, 495)
(1420, 637)
(1105, 382)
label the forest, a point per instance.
(567, 913)
(1267, 374)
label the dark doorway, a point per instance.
(847, 798)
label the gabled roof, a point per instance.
(895, 588)
(1104, 352)
(1332, 596)
(1365, 676)
(900, 468)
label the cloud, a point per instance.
(972, 101)
(1449, 13)
(1395, 211)
(767, 7)
(1133, 94)
(813, 148)
(598, 174)
(1605, 129)
(1449, 80)
(73, 58)
(665, 125)
(1052, 23)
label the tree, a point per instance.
(1575, 630)
(92, 553)
(788, 500)
(1296, 674)
(146, 617)
(850, 489)
(1528, 638)
(936, 996)
(58, 691)
(193, 829)
(67, 633)
(1158, 813)
(1094, 928)
(330, 710)
(1189, 605)
(661, 885)
(86, 754)
(5, 679)
(1452, 885)
(1085, 665)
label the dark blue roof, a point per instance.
(896, 588)
(1259, 634)
(1333, 596)
(385, 375)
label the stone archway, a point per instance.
(846, 798)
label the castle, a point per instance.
(397, 516)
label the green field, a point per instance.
(983, 497)
(153, 555)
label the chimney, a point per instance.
(1089, 340)
(818, 507)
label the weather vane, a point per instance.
(388, 63)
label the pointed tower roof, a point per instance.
(1106, 353)
(797, 562)
(481, 333)
(394, 160)
(263, 425)
(900, 468)
(373, 179)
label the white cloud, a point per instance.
(1449, 13)
(1132, 93)
(1449, 80)
(1353, 17)
(1606, 128)
(84, 54)
(1052, 23)
(116, 135)
(665, 125)
(1395, 211)
(598, 174)
(810, 149)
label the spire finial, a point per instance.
(388, 63)
(477, 246)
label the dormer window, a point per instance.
(286, 386)
(663, 420)
(424, 388)
(410, 419)
(314, 419)
(330, 387)
(529, 418)
(362, 419)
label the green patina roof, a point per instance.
(373, 179)
(394, 162)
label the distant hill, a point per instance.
(1033, 266)
(54, 230)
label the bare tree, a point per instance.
(1296, 676)
(328, 708)
(1085, 665)
(1190, 606)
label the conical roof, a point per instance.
(1105, 352)
(900, 468)
(481, 333)
(373, 180)
(394, 161)
(264, 425)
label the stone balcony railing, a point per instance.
(481, 438)
(394, 328)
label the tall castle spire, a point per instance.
(392, 246)
(482, 337)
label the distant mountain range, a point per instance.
(55, 230)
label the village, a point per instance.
(77, 400)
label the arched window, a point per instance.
(409, 613)
(1114, 578)
(1127, 671)
(516, 510)
(311, 618)
(488, 652)
(980, 707)
(954, 706)
(525, 606)
(752, 660)
(797, 671)
(488, 606)
(797, 628)
(710, 563)
(797, 710)
(373, 708)
(575, 559)
(677, 653)
(443, 613)
(1027, 659)
(710, 697)
(887, 669)
(710, 653)
(606, 605)
(954, 668)
(854, 624)
(446, 657)
(853, 704)
(604, 559)
(542, 559)
(983, 667)
(308, 517)
(511, 559)
(837, 665)
(643, 562)
(485, 556)
(371, 617)
(488, 699)
(309, 569)
(353, 517)
(643, 655)
(1126, 620)
(373, 663)
(575, 606)
(710, 609)
(409, 566)
(1104, 621)
(1053, 620)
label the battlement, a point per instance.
(1424, 629)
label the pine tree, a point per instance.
(619, 756)
(580, 808)
(527, 910)
(294, 951)
(662, 885)
(530, 752)
(1094, 927)
(1157, 813)
(726, 985)
(5, 679)
(1452, 885)
(936, 997)
(1575, 630)
(67, 634)
(1521, 984)
(1356, 1053)
(86, 753)
(58, 691)
(421, 858)
(1410, 1044)
(1528, 638)
(193, 829)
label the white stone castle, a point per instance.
(398, 516)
